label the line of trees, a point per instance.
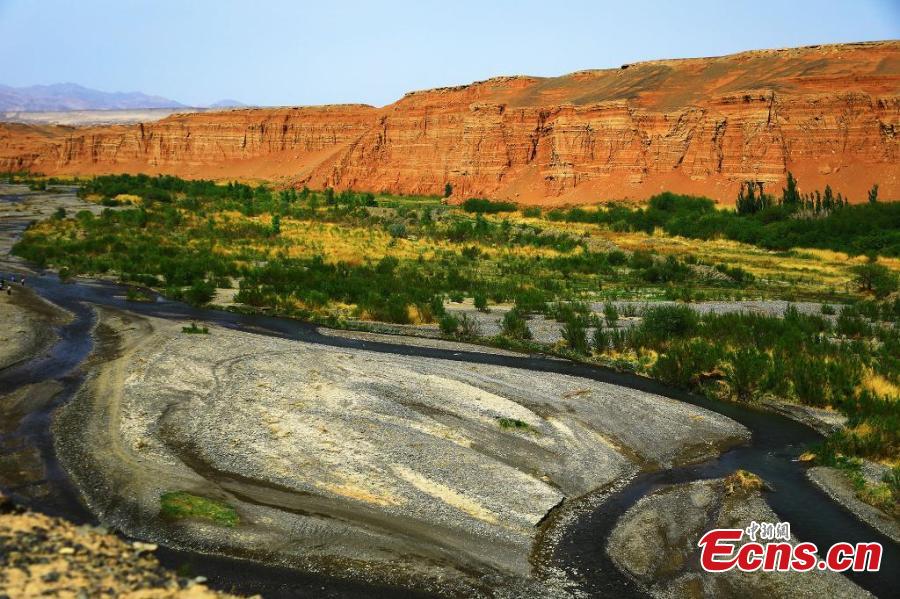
(752, 198)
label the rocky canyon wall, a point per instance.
(829, 114)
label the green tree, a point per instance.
(828, 199)
(276, 225)
(448, 190)
(875, 278)
(873, 194)
(790, 194)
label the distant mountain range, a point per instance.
(227, 104)
(71, 96)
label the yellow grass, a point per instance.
(880, 386)
(810, 270)
(354, 245)
(130, 198)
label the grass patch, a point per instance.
(179, 505)
(195, 330)
(512, 423)
(137, 295)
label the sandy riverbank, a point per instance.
(27, 325)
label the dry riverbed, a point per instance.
(26, 328)
(381, 465)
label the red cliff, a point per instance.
(830, 114)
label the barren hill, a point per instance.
(830, 114)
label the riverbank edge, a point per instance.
(834, 483)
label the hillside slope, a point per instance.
(830, 114)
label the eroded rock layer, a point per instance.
(830, 114)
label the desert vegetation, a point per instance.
(335, 256)
(317, 254)
(813, 220)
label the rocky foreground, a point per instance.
(42, 556)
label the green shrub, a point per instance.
(848, 325)
(514, 423)
(685, 361)
(483, 206)
(199, 293)
(619, 339)
(808, 380)
(480, 300)
(469, 328)
(574, 334)
(600, 340)
(611, 314)
(662, 324)
(395, 310)
(437, 306)
(616, 258)
(515, 326)
(195, 330)
(397, 230)
(530, 299)
(449, 324)
(137, 295)
(746, 369)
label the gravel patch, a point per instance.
(660, 552)
(822, 420)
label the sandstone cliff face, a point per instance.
(830, 114)
(269, 143)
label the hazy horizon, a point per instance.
(278, 53)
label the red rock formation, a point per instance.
(830, 114)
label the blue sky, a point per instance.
(277, 52)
